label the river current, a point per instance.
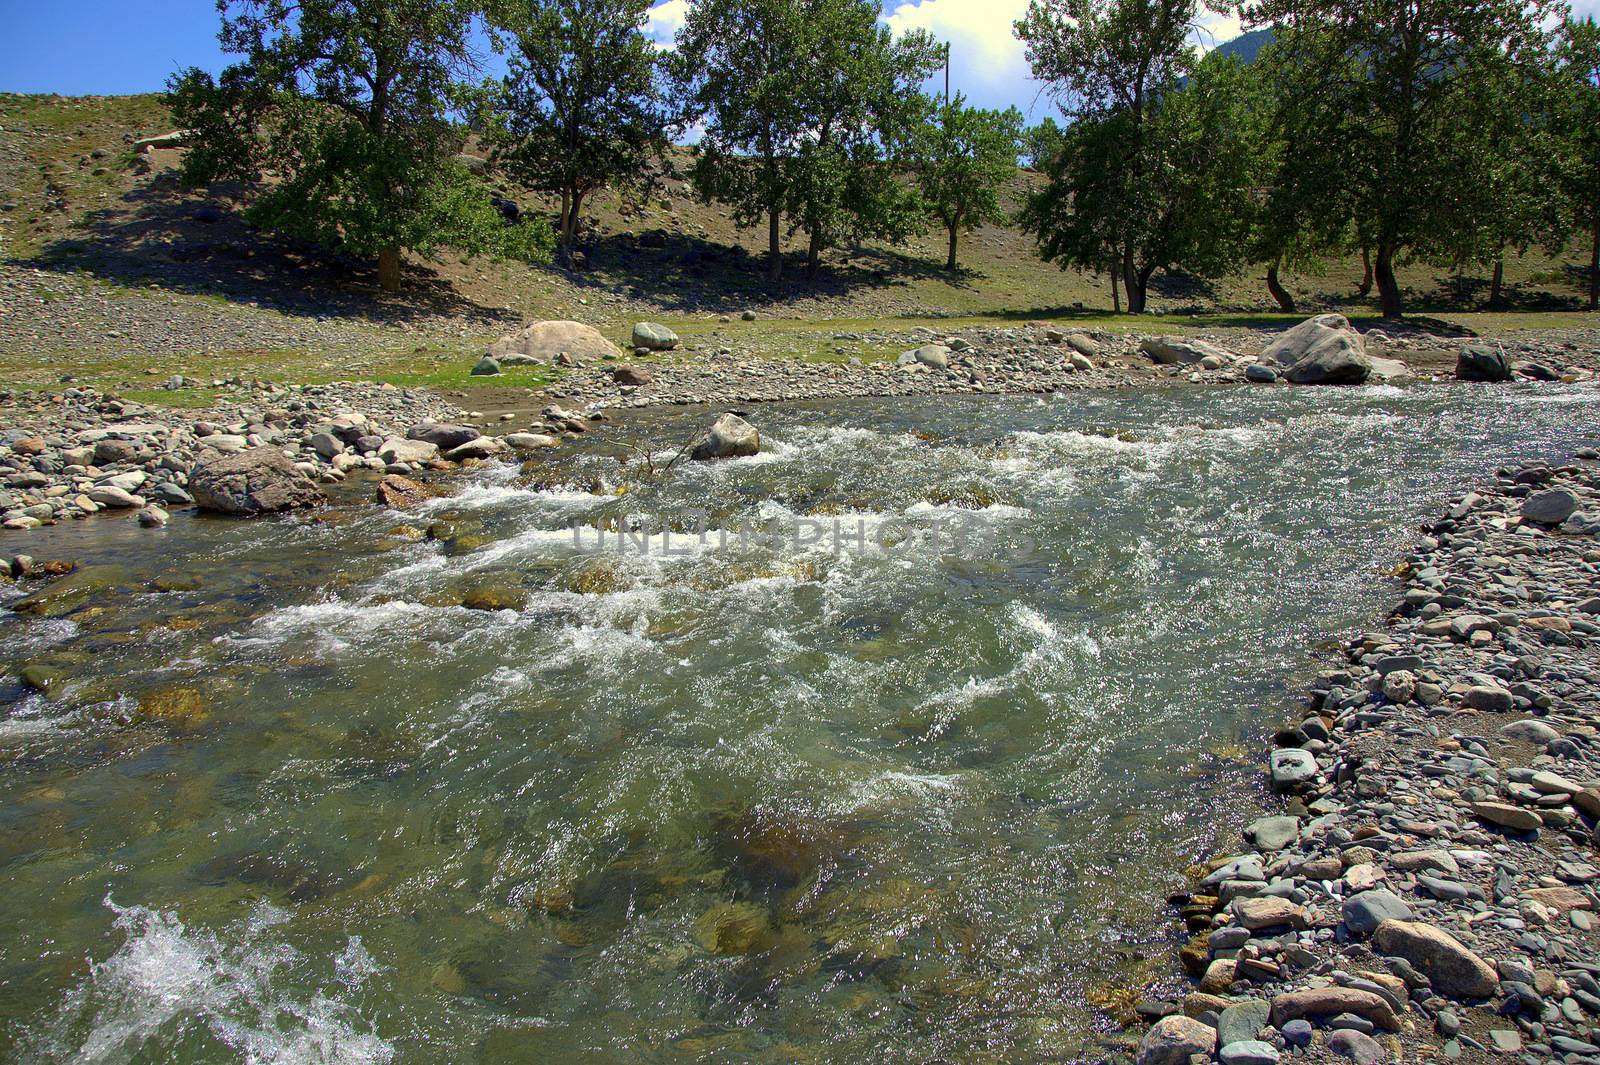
(885, 744)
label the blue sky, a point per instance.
(125, 46)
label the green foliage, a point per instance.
(583, 105)
(339, 109)
(1576, 138)
(1419, 108)
(1040, 143)
(1158, 168)
(1177, 190)
(807, 106)
(963, 156)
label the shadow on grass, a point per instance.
(160, 235)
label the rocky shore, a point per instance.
(1428, 891)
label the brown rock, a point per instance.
(1171, 1041)
(1507, 816)
(1268, 911)
(1332, 1001)
(1441, 957)
(256, 481)
(1561, 898)
(397, 491)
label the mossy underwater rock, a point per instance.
(181, 707)
(731, 928)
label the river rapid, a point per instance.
(889, 748)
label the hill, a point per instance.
(1247, 45)
(147, 266)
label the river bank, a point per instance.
(1429, 887)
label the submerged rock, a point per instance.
(257, 481)
(1172, 1040)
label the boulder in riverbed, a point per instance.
(1451, 967)
(1480, 362)
(546, 340)
(1323, 333)
(1173, 1040)
(730, 436)
(257, 481)
(1171, 350)
(654, 337)
(444, 437)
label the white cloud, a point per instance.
(987, 62)
(666, 19)
(1215, 29)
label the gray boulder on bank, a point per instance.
(935, 355)
(257, 481)
(730, 436)
(1479, 362)
(444, 437)
(1171, 350)
(546, 340)
(1325, 350)
(486, 367)
(654, 337)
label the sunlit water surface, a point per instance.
(910, 793)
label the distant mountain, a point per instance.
(1247, 45)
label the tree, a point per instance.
(345, 104)
(963, 156)
(583, 105)
(1577, 103)
(1393, 87)
(806, 106)
(1041, 142)
(1107, 62)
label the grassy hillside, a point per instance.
(86, 225)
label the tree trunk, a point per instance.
(1116, 294)
(950, 263)
(1130, 279)
(564, 243)
(1388, 288)
(1279, 293)
(1496, 281)
(774, 253)
(814, 254)
(1594, 268)
(1365, 287)
(389, 269)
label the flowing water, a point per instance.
(895, 762)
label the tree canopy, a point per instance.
(339, 110)
(964, 154)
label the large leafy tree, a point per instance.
(1397, 87)
(1108, 64)
(806, 108)
(340, 109)
(1577, 103)
(963, 156)
(583, 104)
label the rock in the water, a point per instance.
(546, 340)
(1292, 767)
(1364, 912)
(1171, 1040)
(153, 517)
(480, 447)
(1479, 362)
(1260, 373)
(1549, 508)
(1451, 967)
(654, 337)
(486, 367)
(397, 491)
(730, 436)
(530, 441)
(256, 481)
(1170, 350)
(1273, 833)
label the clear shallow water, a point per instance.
(766, 801)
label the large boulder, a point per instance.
(1325, 350)
(1172, 1040)
(1170, 350)
(654, 337)
(1441, 957)
(410, 452)
(445, 437)
(1479, 362)
(1313, 335)
(730, 436)
(256, 481)
(546, 340)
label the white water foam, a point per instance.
(167, 979)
